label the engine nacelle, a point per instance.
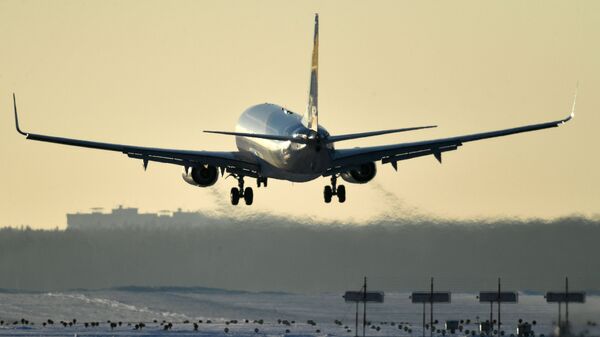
(202, 176)
(361, 175)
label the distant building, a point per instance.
(130, 218)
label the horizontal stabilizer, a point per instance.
(333, 139)
(257, 135)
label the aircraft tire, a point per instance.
(327, 193)
(248, 196)
(341, 193)
(234, 195)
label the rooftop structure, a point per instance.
(129, 217)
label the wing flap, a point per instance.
(228, 160)
(345, 158)
(170, 156)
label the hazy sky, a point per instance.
(157, 73)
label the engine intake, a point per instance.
(361, 175)
(202, 176)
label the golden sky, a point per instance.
(157, 73)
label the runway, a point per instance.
(236, 313)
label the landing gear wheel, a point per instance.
(341, 193)
(235, 196)
(248, 196)
(327, 193)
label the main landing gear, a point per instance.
(332, 190)
(261, 181)
(240, 192)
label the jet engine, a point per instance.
(202, 176)
(361, 175)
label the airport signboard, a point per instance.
(571, 297)
(361, 296)
(494, 296)
(430, 297)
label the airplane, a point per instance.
(274, 142)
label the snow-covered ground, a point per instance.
(215, 311)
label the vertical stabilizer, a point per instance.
(311, 116)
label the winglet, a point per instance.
(572, 106)
(17, 117)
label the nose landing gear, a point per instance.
(332, 190)
(240, 192)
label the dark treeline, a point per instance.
(272, 254)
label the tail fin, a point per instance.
(311, 116)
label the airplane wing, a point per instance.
(232, 161)
(345, 159)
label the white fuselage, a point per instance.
(282, 159)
